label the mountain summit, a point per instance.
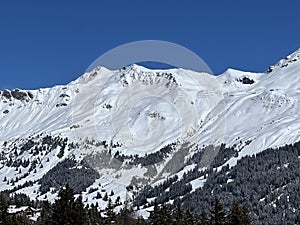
(120, 131)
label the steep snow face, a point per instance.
(143, 110)
(137, 111)
(265, 111)
(45, 110)
(290, 59)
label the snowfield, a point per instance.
(138, 111)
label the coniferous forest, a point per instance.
(260, 189)
(68, 210)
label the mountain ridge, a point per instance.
(135, 127)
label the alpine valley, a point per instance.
(139, 136)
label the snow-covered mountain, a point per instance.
(113, 132)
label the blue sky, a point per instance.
(43, 43)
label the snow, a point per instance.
(129, 117)
(198, 183)
(14, 209)
(144, 110)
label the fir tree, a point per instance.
(235, 216)
(154, 218)
(165, 215)
(3, 209)
(67, 211)
(218, 215)
(109, 212)
(178, 215)
(94, 216)
(203, 218)
(245, 216)
(125, 215)
(80, 214)
(189, 218)
(46, 214)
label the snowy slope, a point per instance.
(137, 111)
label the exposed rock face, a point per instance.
(17, 94)
(246, 80)
(7, 94)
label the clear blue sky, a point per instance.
(43, 43)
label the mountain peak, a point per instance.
(133, 73)
(136, 67)
(121, 130)
(295, 56)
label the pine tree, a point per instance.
(94, 216)
(63, 206)
(105, 198)
(239, 216)
(67, 211)
(235, 216)
(165, 215)
(125, 215)
(80, 214)
(189, 218)
(154, 218)
(4, 218)
(204, 219)
(218, 215)
(109, 212)
(245, 216)
(178, 215)
(46, 214)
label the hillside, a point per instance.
(119, 133)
